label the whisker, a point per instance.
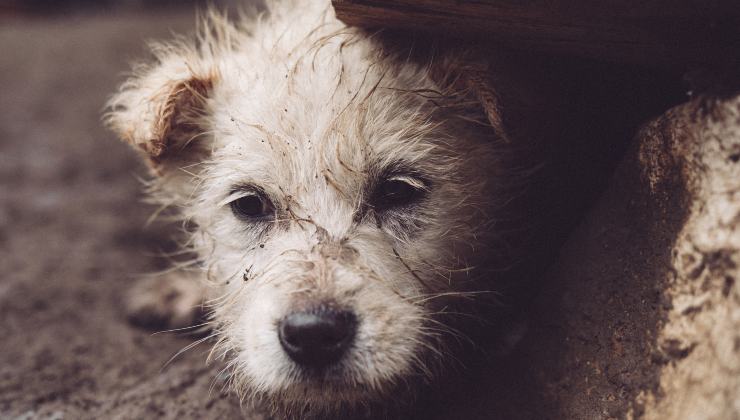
(183, 350)
(182, 329)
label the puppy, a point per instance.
(350, 207)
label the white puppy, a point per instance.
(344, 204)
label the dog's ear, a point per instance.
(503, 95)
(478, 81)
(161, 111)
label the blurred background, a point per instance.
(51, 7)
(73, 232)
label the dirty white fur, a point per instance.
(315, 115)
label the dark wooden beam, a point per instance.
(653, 32)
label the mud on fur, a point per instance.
(351, 210)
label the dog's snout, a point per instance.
(317, 338)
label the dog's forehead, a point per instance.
(303, 118)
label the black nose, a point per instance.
(317, 338)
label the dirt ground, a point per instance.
(72, 235)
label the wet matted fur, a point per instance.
(313, 121)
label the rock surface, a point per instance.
(640, 316)
(699, 340)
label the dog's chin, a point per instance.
(319, 388)
(323, 395)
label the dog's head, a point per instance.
(342, 200)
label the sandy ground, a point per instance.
(72, 237)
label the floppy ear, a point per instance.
(469, 80)
(161, 109)
(477, 80)
(502, 94)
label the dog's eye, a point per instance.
(252, 206)
(397, 192)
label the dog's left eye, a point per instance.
(252, 206)
(397, 192)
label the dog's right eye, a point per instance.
(398, 192)
(252, 206)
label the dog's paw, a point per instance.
(166, 302)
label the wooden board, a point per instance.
(656, 32)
